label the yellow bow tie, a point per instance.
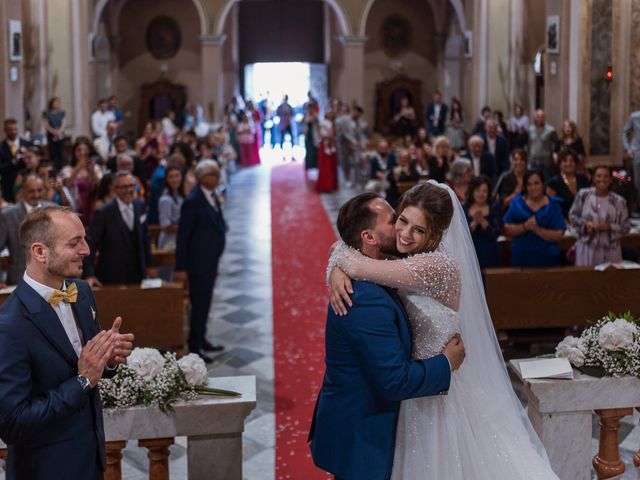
(68, 296)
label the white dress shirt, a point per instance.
(208, 194)
(63, 311)
(29, 208)
(127, 213)
(476, 166)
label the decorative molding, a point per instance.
(213, 39)
(352, 40)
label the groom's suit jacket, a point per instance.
(52, 428)
(369, 370)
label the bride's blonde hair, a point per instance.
(437, 208)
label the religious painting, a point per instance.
(163, 37)
(553, 34)
(467, 41)
(396, 35)
(15, 40)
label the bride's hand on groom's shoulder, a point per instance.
(340, 288)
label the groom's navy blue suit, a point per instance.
(53, 429)
(369, 370)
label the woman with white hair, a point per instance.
(460, 177)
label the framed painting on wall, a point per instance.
(553, 34)
(467, 41)
(15, 40)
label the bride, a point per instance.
(479, 430)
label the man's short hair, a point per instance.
(205, 166)
(10, 121)
(354, 217)
(38, 226)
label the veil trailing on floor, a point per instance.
(484, 366)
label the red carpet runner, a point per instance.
(301, 236)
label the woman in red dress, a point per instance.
(256, 116)
(327, 158)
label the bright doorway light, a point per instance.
(277, 79)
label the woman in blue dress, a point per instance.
(536, 224)
(484, 222)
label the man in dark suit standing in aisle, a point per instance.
(199, 246)
(436, 115)
(119, 235)
(11, 158)
(53, 354)
(10, 220)
(483, 162)
(497, 145)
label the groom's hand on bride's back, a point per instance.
(454, 351)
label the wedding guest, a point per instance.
(519, 128)
(169, 128)
(480, 126)
(169, 207)
(498, 117)
(285, 113)
(460, 177)
(31, 158)
(570, 139)
(105, 145)
(54, 122)
(455, 126)
(106, 190)
(601, 218)
(327, 156)
(497, 145)
(542, 139)
(439, 163)
(11, 158)
(53, 355)
(482, 161)
(149, 148)
(436, 115)
(85, 176)
(381, 164)
(405, 172)
(484, 221)
(100, 118)
(10, 220)
(510, 183)
(199, 244)
(535, 223)
(310, 125)
(119, 239)
(48, 175)
(246, 134)
(568, 182)
(405, 120)
(112, 105)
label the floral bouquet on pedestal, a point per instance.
(610, 347)
(152, 379)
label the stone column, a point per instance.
(353, 76)
(212, 75)
(12, 73)
(83, 104)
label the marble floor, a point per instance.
(241, 319)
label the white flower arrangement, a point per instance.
(152, 379)
(610, 347)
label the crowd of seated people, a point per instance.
(519, 182)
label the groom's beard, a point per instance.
(387, 245)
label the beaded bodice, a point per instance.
(432, 323)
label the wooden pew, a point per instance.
(154, 315)
(163, 257)
(558, 297)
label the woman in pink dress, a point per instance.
(86, 177)
(246, 134)
(327, 158)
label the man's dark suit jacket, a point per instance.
(123, 256)
(201, 235)
(9, 169)
(487, 165)
(502, 153)
(436, 127)
(52, 428)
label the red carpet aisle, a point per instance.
(301, 237)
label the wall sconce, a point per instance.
(609, 75)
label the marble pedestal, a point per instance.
(213, 427)
(561, 413)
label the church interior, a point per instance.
(304, 104)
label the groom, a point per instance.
(369, 369)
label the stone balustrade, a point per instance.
(561, 413)
(213, 427)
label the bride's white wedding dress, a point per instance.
(479, 430)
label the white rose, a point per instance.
(194, 369)
(573, 349)
(146, 362)
(617, 335)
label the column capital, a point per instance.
(352, 40)
(213, 39)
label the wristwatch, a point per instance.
(85, 383)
